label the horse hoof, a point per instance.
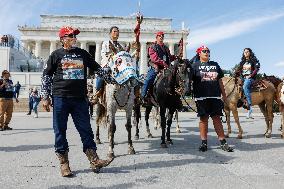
(131, 150)
(164, 145)
(178, 131)
(239, 137)
(98, 141)
(170, 142)
(267, 135)
(227, 136)
(111, 155)
(136, 137)
(150, 135)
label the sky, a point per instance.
(225, 26)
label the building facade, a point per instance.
(40, 41)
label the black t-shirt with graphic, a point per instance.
(205, 77)
(7, 91)
(69, 71)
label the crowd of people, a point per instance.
(58, 87)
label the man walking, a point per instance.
(66, 72)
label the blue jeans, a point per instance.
(78, 108)
(99, 83)
(247, 89)
(150, 79)
(30, 104)
(35, 104)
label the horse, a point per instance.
(167, 91)
(263, 98)
(118, 96)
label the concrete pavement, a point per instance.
(28, 159)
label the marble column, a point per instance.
(52, 46)
(38, 48)
(98, 56)
(26, 44)
(83, 45)
(184, 51)
(172, 48)
(143, 59)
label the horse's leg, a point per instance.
(270, 118)
(169, 123)
(137, 116)
(227, 114)
(128, 127)
(163, 126)
(236, 117)
(177, 126)
(157, 118)
(147, 115)
(264, 112)
(111, 131)
(98, 122)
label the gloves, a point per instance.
(105, 73)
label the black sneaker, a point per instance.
(203, 147)
(226, 147)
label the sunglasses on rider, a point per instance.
(71, 36)
(205, 51)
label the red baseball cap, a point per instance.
(201, 48)
(67, 30)
(160, 33)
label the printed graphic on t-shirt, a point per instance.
(246, 68)
(208, 73)
(73, 67)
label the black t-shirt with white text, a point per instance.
(69, 71)
(205, 77)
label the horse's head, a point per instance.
(124, 69)
(171, 80)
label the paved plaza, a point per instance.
(28, 159)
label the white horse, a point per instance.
(119, 96)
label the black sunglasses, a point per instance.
(205, 51)
(71, 36)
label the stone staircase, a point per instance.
(23, 105)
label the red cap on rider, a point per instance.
(67, 30)
(160, 33)
(201, 48)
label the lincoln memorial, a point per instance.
(39, 41)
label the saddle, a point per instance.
(258, 85)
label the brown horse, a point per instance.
(264, 99)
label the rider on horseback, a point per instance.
(248, 68)
(109, 49)
(160, 58)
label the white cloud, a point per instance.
(279, 64)
(214, 34)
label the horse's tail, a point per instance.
(101, 115)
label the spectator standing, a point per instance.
(35, 99)
(6, 100)
(17, 88)
(30, 102)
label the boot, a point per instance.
(95, 162)
(64, 164)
